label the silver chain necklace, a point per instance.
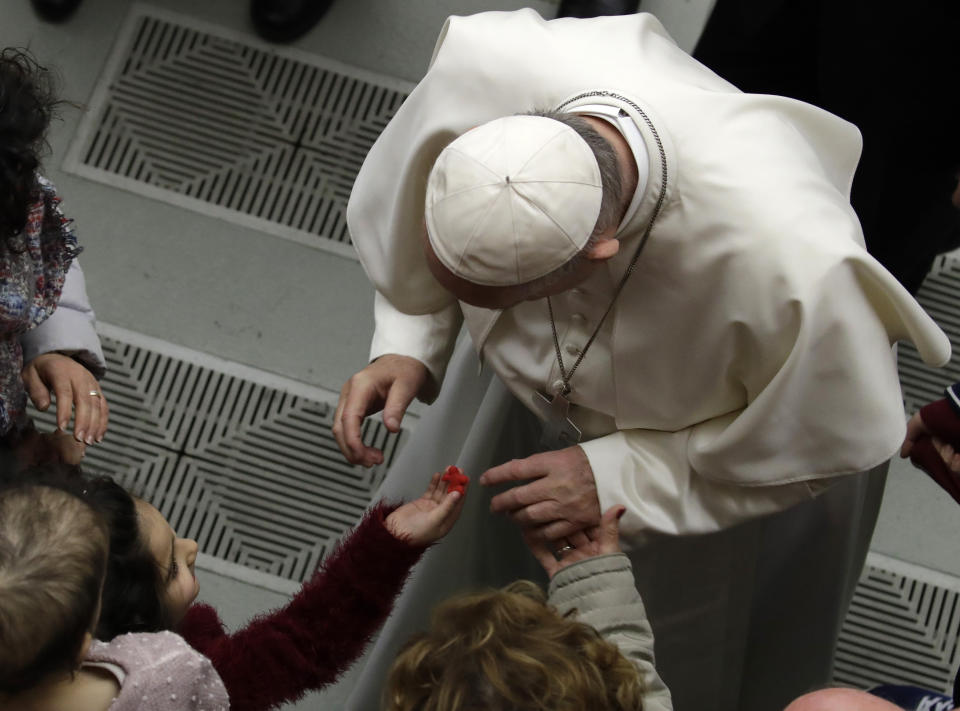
(559, 431)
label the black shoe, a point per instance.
(286, 20)
(55, 10)
(596, 8)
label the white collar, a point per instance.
(623, 123)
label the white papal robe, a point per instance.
(745, 370)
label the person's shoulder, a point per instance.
(163, 661)
(143, 650)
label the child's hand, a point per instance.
(430, 517)
(557, 555)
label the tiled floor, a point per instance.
(212, 286)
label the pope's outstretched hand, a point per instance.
(560, 500)
(389, 383)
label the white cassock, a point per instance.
(745, 370)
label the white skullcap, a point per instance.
(512, 200)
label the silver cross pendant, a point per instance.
(559, 431)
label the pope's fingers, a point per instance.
(348, 427)
(556, 530)
(401, 394)
(514, 470)
(536, 514)
(518, 497)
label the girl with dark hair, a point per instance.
(47, 336)
(53, 557)
(150, 585)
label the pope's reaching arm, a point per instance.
(823, 400)
(408, 359)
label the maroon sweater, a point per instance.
(942, 419)
(309, 642)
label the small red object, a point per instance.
(455, 478)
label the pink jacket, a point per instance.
(158, 671)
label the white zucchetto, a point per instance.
(512, 200)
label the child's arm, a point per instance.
(589, 574)
(603, 592)
(309, 642)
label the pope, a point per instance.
(668, 282)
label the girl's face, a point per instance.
(175, 558)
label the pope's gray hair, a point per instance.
(611, 203)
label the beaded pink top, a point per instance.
(159, 670)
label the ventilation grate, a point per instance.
(265, 137)
(251, 471)
(940, 297)
(902, 628)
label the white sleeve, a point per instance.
(822, 400)
(649, 473)
(70, 329)
(429, 338)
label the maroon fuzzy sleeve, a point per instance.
(942, 421)
(309, 642)
(201, 626)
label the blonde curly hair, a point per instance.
(507, 650)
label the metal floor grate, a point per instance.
(251, 471)
(206, 119)
(902, 628)
(940, 297)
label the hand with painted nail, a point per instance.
(389, 383)
(76, 391)
(588, 543)
(429, 518)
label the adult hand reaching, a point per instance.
(933, 443)
(561, 500)
(389, 383)
(73, 387)
(429, 518)
(599, 540)
(915, 430)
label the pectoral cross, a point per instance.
(558, 430)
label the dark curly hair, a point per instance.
(27, 104)
(133, 599)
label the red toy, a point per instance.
(456, 480)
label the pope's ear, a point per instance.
(604, 249)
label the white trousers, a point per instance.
(745, 619)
